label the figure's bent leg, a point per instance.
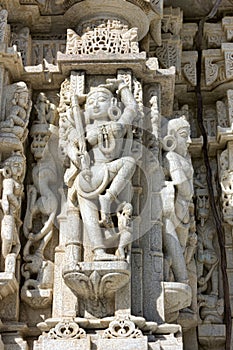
(174, 251)
(120, 171)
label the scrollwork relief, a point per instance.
(122, 328)
(67, 330)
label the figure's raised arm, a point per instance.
(127, 98)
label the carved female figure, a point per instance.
(178, 192)
(13, 173)
(17, 121)
(104, 171)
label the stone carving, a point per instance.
(188, 34)
(12, 192)
(112, 37)
(177, 195)
(122, 327)
(172, 21)
(125, 230)
(202, 195)
(46, 48)
(96, 289)
(106, 127)
(46, 111)
(169, 53)
(228, 62)
(22, 40)
(228, 27)
(210, 121)
(16, 121)
(222, 114)
(3, 25)
(189, 62)
(214, 35)
(210, 305)
(66, 330)
(211, 71)
(41, 209)
(108, 221)
(226, 176)
(227, 195)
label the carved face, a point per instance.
(22, 99)
(183, 140)
(15, 165)
(128, 210)
(17, 168)
(97, 105)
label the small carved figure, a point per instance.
(202, 206)
(207, 262)
(46, 111)
(177, 194)
(125, 229)
(211, 305)
(12, 191)
(17, 121)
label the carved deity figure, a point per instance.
(207, 261)
(17, 120)
(177, 194)
(12, 191)
(102, 174)
(209, 301)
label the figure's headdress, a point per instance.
(177, 124)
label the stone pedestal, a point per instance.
(72, 344)
(100, 281)
(212, 336)
(13, 341)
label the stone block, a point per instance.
(129, 344)
(212, 336)
(62, 344)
